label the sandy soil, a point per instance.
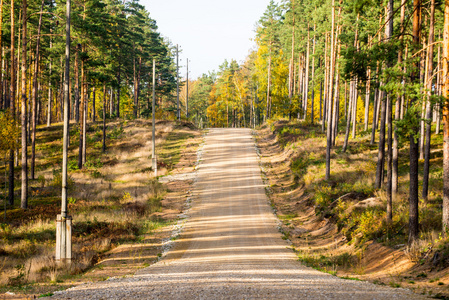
(231, 247)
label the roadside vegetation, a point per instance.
(114, 200)
(339, 225)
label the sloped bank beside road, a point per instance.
(337, 226)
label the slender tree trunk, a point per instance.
(398, 109)
(93, 103)
(329, 122)
(376, 108)
(2, 102)
(35, 86)
(306, 81)
(81, 122)
(445, 79)
(367, 96)
(24, 195)
(381, 149)
(118, 91)
(440, 89)
(388, 35)
(86, 106)
(384, 107)
(414, 149)
(336, 105)
(354, 111)
(12, 104)
(321, 101)
(104, 118)
(77, 86)
(425, 190)
(348, 117)
(49, 88)
(135, 88)
(269, 87)
(291, 78)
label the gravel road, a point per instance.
(230, 247)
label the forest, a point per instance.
(356, 68)
(363, 84)
(112, 44)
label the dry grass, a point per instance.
(114, 199)
(331, 225)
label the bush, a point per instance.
(57, 180)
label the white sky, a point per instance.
(208, 32)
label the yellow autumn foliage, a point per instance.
(9, 132)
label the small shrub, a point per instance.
(41, 180)
(93, 163)
(126, 198)
(323, 195)
(57, 180)
(116, 132)
(72, 165)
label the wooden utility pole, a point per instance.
(187, 93)
(63, 221)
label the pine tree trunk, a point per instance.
(93, 103)
(35, 86)
(268, 87)
(354, 111)
(445, 82)
(136, 104)
(367, 96)
(2, 99)
(397, 116)
(348, 118)
(440, 89)
(81, 121)
(86, 105)
(312, 117)
(291, 78)
(329, 104)
(24, 195)
(49, 88)
(104, 118)
(388, 35)
(118, 92)
(381, 148)
(425, 189)
(77, 86)
(12, 104)
(306, 74)
(414, 148)
(326, 85)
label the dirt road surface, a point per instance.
(230, 247)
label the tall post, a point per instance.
(63, 221)
(178, 112)
(153, 147)
(187, 94)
